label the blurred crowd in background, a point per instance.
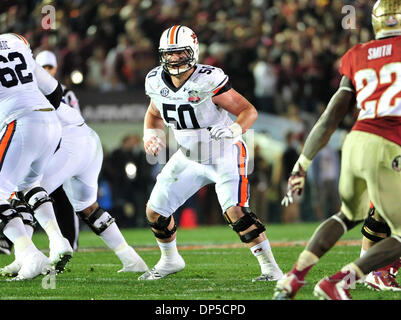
(282, 55)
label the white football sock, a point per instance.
(168, 250)
(15, 231)
(113, 238)
(29, 230)
(305, 260)
(47, 219)
(263, 253)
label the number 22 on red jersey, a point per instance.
(375, 71)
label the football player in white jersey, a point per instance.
(79, 176)
(194, 101)
(66, 217)
(29, 136)
(77, 172)
(76, 166)
(47, 59)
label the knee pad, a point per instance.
(36, 197)
(162, 224)
(98, 221)
(25, 212)
(247, 220)
(375, 230)
(7, 213)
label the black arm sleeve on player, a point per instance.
(226, 87)
(55, 97)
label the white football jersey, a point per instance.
(69, 116)
(23, 83)
(189, 109)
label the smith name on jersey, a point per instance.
(375, 71)
(189, 109)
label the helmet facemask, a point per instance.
(184, 63)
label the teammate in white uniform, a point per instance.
(47, 59)
(194, 101)
(29, 136)
(66, 217)
(76, 166)
(77, 172)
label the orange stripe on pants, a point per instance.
(5, 141)
(243, 188)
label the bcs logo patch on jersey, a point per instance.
(164, 92)
(193, 96)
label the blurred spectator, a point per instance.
(288, 160)
(217, 55)
(96, 66)
(288, 81)
(118, 39)
(130, 172)
(265, 81)
(326, 172)
(209, 207)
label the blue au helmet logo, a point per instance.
(164, 92)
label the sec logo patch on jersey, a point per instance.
(164, 92)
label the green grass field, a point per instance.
(216, 270)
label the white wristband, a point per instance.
(149, 133)
(236, 129)
(303, 161)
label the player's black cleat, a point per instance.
(60, 265)
(5, 245)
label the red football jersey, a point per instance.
(375, 71)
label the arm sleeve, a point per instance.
(56, 96)
(224, 88)
(221, 82)
(46, 83)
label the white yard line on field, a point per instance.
(225, 246)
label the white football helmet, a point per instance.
(14, 36)
(178, 39)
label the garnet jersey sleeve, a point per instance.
(345, 65)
